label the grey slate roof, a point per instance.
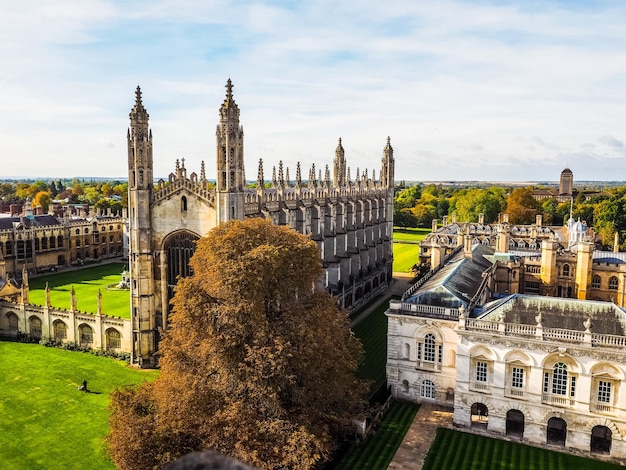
(6, 223)
(568, 314)
(457, 281)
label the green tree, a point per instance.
(488, 202)
(423, 214)
(404, 218)
(256, 364)
(407, 198)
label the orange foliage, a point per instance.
(257, 363)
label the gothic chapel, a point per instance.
(351, 220)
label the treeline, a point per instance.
(418, 205)
(101, 195)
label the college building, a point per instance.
(519, 329)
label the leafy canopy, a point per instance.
(257, 363)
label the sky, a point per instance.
(466, 90)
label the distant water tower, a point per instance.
(566, 185)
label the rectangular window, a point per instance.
(546, 382)
(604, 391)
(517, 377)
(440, 355)
(419, 351)
(481, 372)
(532, 287)
(572, 388)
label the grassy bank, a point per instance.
(46, 422)
(86, 284)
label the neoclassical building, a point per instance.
(523, 344)
(350, 219)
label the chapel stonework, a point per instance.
(350, 220)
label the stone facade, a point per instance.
(351, 220)
(41, 243)
(95, 331)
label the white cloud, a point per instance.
(464, 89)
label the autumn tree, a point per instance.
(42, 199)
(256, 364)
(522, 206)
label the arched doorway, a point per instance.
(556, 433)
(601, 438)
(515, 423)
(480, 415)
(178, 248)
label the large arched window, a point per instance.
(85, 335)
(613, 283)
(13, 322)
(35, 327)
(559, 385)
(60, 331)
(179, 248)
(566, 270)
(429, 353)
(114, 339)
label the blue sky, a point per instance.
(467, 90)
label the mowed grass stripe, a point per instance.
(464, 451)
(378, 450)
(372, 331)
(86, 283)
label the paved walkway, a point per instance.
(414, 447)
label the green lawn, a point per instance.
(461, 451)
(405, 256)
(410, 234)
(377, 451)
(46, 422)
(372, 331)
(86, 283)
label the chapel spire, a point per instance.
(387, 166)
(339, 166)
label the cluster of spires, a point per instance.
(283, 180)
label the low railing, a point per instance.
(515, 392)
(602, 407)
(479, 386)
(425, 310)
(557, 400)
(608, 340)
(564, 335)
(516, 329)
(427, 365)
(546, 334)
(473, 324)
